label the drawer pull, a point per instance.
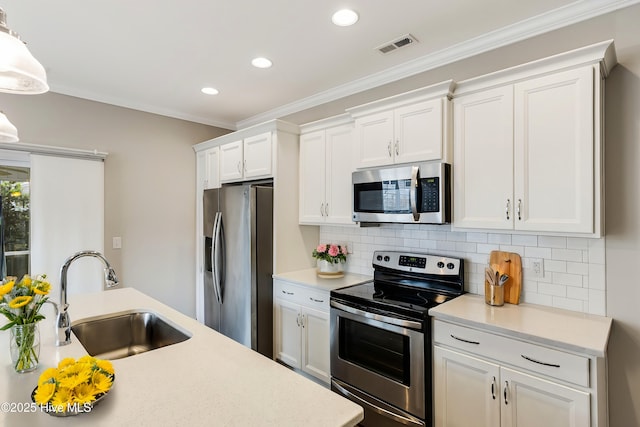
(553, 365)
(506, 387)
(316, 300)
(467, 341)
(287, 293)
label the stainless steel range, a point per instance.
(381, 336)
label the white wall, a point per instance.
(574, 276)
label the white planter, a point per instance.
(329, 270)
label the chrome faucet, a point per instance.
(63, 322)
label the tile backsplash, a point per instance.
(574, 267)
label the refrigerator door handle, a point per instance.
(216, 253)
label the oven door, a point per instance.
(380, 355)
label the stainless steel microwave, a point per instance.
(409, 194)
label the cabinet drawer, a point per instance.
(301, 295)
(547, 361)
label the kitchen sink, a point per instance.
(127, 333)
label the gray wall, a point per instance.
(149, 184)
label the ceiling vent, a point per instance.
(396, 44)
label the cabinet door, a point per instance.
(532, 402)
(315, 341)
(212, 162)
(287, 331)
(231, 161)
(483, 159)
(312, 178)
(257, 156)
(466, 390)
(339, 143)
(419, 132)
(554, 152)
(374, 140)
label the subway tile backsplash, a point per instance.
(574, 267)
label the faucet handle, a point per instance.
(110, 277)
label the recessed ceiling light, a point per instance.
(209, 90)
(261, 63)
(344, 18)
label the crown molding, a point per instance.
(558, 18)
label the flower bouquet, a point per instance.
(20, 303)
(330, 260)
(74, 386)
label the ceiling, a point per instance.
(156, 55)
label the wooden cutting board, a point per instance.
(511, 264)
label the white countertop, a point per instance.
(207, 380)
(581, 332)
(308, 277)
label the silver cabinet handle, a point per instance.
(506, 387)
(245, 165)
(326, 209)
(493, 388)
(302, 320)
(287, 293)
(238, 167)
(316, 300)
(553, 365)
(519, 206)
(321, 209)
(298, 320)
(389, 149)
(463, 340)
(397, 147)
(508, 208)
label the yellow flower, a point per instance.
(26, 280)
(105, 365)
(6, 288)
(62, 397)
(67, 361)
(49, 375)
(74, 375)
(42, 288)
(18, 302)
(84, 393)
(44, 393)
(87, 359)
(101, 382)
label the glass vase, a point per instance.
(24, 345)
(329, 270)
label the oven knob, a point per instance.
(386, 258)
(440, 264)
(379, 257)
(450, 266)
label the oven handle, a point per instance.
(404, 420)
(386, 319)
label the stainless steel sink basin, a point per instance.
(124, 334)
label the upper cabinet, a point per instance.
(325, 171)
(528, 146)
(245, 159)
(410, 127)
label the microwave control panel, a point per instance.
(430, 189)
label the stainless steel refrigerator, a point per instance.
(238, 287)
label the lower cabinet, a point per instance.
(301, 322)
(478, 382)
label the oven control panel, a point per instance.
(417, 263)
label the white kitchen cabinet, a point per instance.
(325, 173)
(208, 169)
(301, 329)
(410, 127)
(487, 380)
(528, 146)
(249, 158)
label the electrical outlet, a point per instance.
(537, 265)
(117, 243)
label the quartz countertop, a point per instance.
(206, 380)
(308, 277)
(574, 331)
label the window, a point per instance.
(14, 220)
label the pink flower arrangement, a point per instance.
(331, 252)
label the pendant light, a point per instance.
(8, 132)
(20, 72)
